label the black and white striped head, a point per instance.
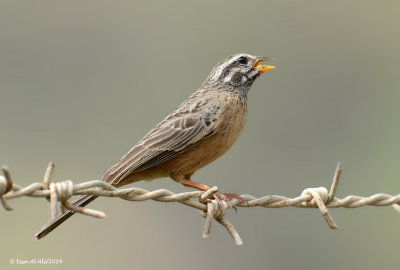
(238, 70)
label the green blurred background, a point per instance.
(82, 81)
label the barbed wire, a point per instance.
(210, 208)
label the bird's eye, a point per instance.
(242, 60)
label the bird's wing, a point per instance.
(190, 123)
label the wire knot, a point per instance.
(216, 209)
(6, 186)
(63, 190)
(208, 195)
(319, 197)
(320, 193)
(60, 192)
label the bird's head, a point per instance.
(238, 71)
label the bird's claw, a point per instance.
(227, 197)
(240, 198)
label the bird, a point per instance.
(199, 131)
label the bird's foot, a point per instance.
(218, 196)
(227, 197)
(236, 196)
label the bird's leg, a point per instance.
(223, 196)
(193, 184)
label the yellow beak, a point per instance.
(262, 68)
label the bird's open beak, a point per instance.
(262, 68)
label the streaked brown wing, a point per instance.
(176, 133)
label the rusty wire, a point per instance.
(59, 193)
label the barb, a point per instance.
(59, 193)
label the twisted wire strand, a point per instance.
(59, 193)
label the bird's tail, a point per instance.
(60, 218)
